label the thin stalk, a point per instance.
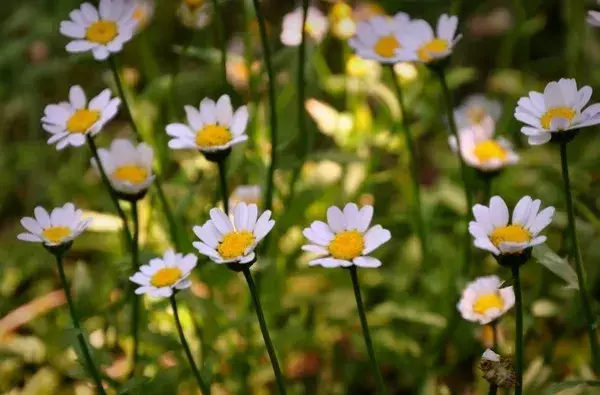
(272, 105)
(220, 32)
(85, 350)
(365, 330)
(487, 189)
(494, 326)
(223, 182)
(188, 353)
(518, 330)
(585, 302)
(414, 167)
(265, 331)
(135, 306)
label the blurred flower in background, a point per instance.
(421, 43)
(195, 14)
(315, 27)
(493, 23)
(249, 194)
(343, 25)
(379, 38)
(162, 276)
(360, 68)
(593, 18)
(476, 109)
(59, 227)
(406, 71)
(367, 10)
(143, 13)
(483, 300)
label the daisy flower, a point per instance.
(102, 31)
(556, 110)
(128, 168)
(593, 18)
(249, 194)
(346, 238)
(494, 232)
(475, 109)
(195, 14)
(59, 227)
(226, 240)
(379, 38)
(484, 301)
(420, 43)
(69, 122)
(481, 150)
(161, 276)
(143, 13)
(315, 27)
(212, 127)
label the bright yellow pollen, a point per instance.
(556, 112)
(56, 233)
(347, 245)
(489, 150)
(166, 277)
(386, 46)
(476, 114)
(434, 47)
(488, 301)
(132, 173)
(102, 32)
(234, 244)
(510, 233)
(82, 120)
(212, 136)
(194, 3)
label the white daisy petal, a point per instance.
(375, 237)
(498, 211)
(543, 219)
(366, 261)
(336, 219)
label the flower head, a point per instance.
(379, 38)
(102, 30)
(494, 232)
(128, 168)
(163, 275)
(315, 27)
(249, 194)
(343, 25)
(346, 238)
(593, 18)
(484, 301)
(195, 14)
(497, 369)
(476, 109)
(59, 227)
(69, 122)
(212, 127)
(558, 109)
(420, 43)
(226, 240)
(143, 13)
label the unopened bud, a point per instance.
(497, 369)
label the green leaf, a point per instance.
(386, 311)
(557, 265)
(571, 384)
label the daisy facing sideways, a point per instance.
(421, 44)
(161, 277)
(558, 109)
(226, 240)
(493, 231)
(484, 301)
(476, 109)
(379, 38)
(103, 30)
(59, 227)
(69, 122)
(346, 238)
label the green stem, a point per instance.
(265, 331)
(494, 325)
(518, 330)
(223, 182)
(414, 167)
(135, 307)
(272, 104)
(220, 32)
(487, 189)
(75, 319)
(365, 330)
(585, 302)
(188, 353)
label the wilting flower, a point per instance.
(481, 150)
(593, 18)
(160, 277)
(195, 14)
(342, 21)
(128, 168)
(249, 194)
(476, 109)
(102, 31)
(315, 27)
(228, 241)
(557, 110)
(497, 369)
(69, 122)
(420, 43)
(484, 301)
(143, 13)
(211, 127)
(346, 238)
(59, 227)
(379, 38)
(494, 232)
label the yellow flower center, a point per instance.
(556, 112)
(131, 173)
(347, 245)
(489, 150)
(102, 32)
(510, 233)
(476, 114)
(194, 3)
(166, 277)
(386, 46)
(139, 13)
(488, 301)
(212, 136)
(82, 120)
(234, 244)
(429, 50)
(56, 233)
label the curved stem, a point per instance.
(414, 168)
(365, 330)
(220, 32)
(223, 182)
(188, 353)
(76, 324)
(518, 330)
(135, 307)
(265, 331)
(585, 302)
